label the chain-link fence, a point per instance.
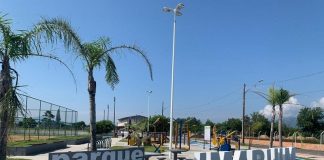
(41, 118)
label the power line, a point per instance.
(294, 78)
(211, 101)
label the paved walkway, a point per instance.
(115, 142)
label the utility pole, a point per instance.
(162, 107)
(104, 118)
(243, 115)
(114, 116)
(108, 112)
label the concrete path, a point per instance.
(115, 142)
(70, 148)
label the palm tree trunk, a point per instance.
(280, 125)
(92, 96)
(5, 84)
(273, 117)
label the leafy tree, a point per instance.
(281, 98)
(14, 47)
(80, 125)
(104, 126)
(195, 125)
(93, 55)
(233, 124)
(48, 116)
(159, 123)
(209, 123)
(28, 122)
(309, 120)
(259, 123)
(247, 123)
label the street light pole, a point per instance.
(176, 12)
(114, 117)
(148, 111)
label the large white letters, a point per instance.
(260, 154)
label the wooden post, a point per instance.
(243, 113)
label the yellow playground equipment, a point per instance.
(223, 139)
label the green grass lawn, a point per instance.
(146, 148)
(27, 143)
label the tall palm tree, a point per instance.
(272, 101)
(271, 97)
(95, 54)
(281, 97)
(16, 47)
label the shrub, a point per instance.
(104, 126)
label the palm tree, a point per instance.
(271, 97)
(95, 54)
(16, 47)
(272, 101)
(281, 97)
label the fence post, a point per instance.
(65, 122)
(25, 120)
(75, 121)
(50, 123)
(321, 138)
(59, 127)
(72, 122)
(39, 114)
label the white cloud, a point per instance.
(289, 110)
(319, 103)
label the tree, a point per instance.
(48, 116)
(273, 102)
(271, 98)
(309, 120)
(104, 126)
(259, 122)
(159, 123)
(233, 124)
(209, 123)
(80, 125)
(195, 125)
(16, 47)
(93, 55)
(58, 117)
(281, 98)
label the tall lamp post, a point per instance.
(148, 111)
(176, 12)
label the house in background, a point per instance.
(123, 122)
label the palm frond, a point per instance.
(10, 104)
(94, 54)
(133, 49)
(112, 77)
(52, 57)
(55, 29)
(282, 96)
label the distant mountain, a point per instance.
(290, 121)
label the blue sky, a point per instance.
(220, 45)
